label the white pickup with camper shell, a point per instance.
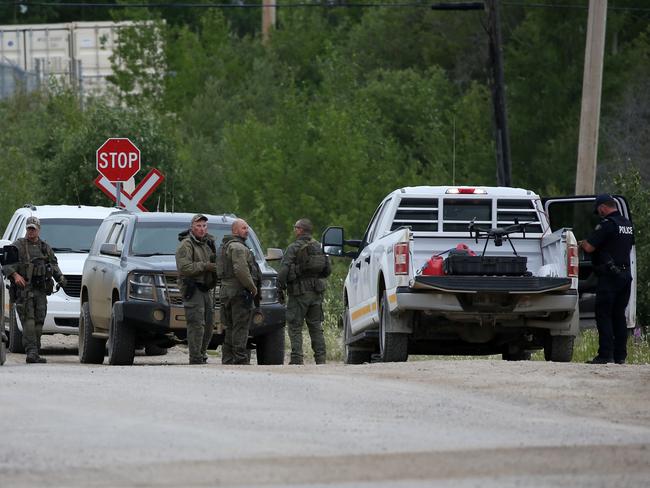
(394, 305)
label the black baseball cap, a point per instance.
(600, 199)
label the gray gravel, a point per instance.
(426, 423)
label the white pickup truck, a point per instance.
(394, 306)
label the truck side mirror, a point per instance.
(332, 241)
(274, 254)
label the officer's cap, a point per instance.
(33, 222)
(199, 217)
(601, 199)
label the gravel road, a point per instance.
(425, 423)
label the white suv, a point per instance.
(70, 230)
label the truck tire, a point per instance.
(270, 348)
(155, 350)
(559, 349)
(121, 343)
(393, 346)
(351, 354)
(15, 334)
(91, 350)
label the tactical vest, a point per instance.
(38, 270)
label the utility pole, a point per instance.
(268, 19)
(504, 166)
(591, 93)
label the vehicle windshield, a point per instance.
(69, 235)
(161, 238)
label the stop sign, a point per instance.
(118, 159)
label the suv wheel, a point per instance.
(15, 334)
(351, 354)
(559, 349)
(91, 350)
(155, 350)
(393, 347)
(121, 343)
(270, 347)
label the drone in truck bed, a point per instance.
(498, 234)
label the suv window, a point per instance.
(117, 235)
(151, 238)
(101, 236)
(69, 234)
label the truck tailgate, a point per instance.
(491, 284)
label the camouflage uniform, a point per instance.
(193, 257)
(241, 278)
(305, 303)
(37, 264)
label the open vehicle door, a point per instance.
(577, 213)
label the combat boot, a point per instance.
(33, 358)
(601, 360)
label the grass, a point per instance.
(586, 347)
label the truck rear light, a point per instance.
(401, 256)
(573, 260)
(466, 191)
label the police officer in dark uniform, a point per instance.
(610, 246)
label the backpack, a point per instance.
(221, 262)
(312, 261)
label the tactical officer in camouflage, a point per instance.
(240, 284)
(31, 283)
(303, 273)
(195, 261)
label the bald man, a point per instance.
(239, 286)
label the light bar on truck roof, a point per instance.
(466, 191)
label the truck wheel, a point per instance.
(121, 343)
(352, 355)
(15, 334)
(270, 348)
(154, 350)
(559, 349)
(91, 350)
(393, 346)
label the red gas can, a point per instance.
(433, 267)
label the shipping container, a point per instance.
(69, 52)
